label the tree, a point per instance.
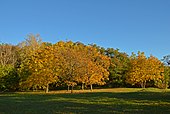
(7, 54)
(71, 62)
(8, 75)
(166, 61)
(82, 64)
(27, 49)
(118, 68)
(9, 79)
(166, 81)
(96, 64)
(144, 69)
(44, 67)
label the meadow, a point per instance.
(117, 100)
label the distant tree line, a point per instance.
(36, 65)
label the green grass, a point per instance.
(119, 100)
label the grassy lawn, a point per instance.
(118, 100)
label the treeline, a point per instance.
(34, 64)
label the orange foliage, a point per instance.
(144, 69)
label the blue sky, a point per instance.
(130, 25)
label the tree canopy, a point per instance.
(143, 69)
(34, 64)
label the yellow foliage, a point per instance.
(144, 69)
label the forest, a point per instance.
(35, 65)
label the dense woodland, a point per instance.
(36, 65)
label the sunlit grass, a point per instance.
(118, 100)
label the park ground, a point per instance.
(100, 101)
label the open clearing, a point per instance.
(117, 100)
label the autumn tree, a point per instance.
(7, 54)
(27, 49)
(144, 69)
(95, 69)
(44, 68)
(82, 64)
(71, 62)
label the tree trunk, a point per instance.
(91, 87)
(141, 84)
(82, 87)
(144, 85)
(47, 88)
(72, 89)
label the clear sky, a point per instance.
(130, 25)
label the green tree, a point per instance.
(9, 79)
(8, 74)
(166, 61)
(118, 68)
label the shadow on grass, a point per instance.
(91, 103)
